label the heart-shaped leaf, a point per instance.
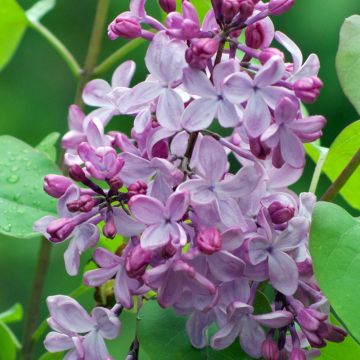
(348, 59)
(13, 23)
(335, 249)
(22, 198)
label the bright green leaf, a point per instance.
(348, 59)
(8, 343)
(48, 145)
(335, 250)
(22, 199)
(52, 356)
(14, 314)
(39, 9)
(162, 333)
(13, 23)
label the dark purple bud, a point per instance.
(268, 53)
(246, 9)
(307, 321)
(217, 4)
(161, 150)
(127, 27)
(314, 339)
(209, 241)
(308, 89)
(109, 229)
(56, 185)
(168, 251)
(168, 5)
(115, 184)
(200, 52)
(230, 8)
(60, 229)
(269, 350)
(259, 149)
(278, 7)
(77, 173)
(297, 354)
(137, 188)
(332, 333)
(137, 261)
(255, 35)
(280, 213)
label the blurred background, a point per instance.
(36, 89)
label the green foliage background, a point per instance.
(37, 87)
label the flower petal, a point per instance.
(147, 209)
(177, 205)
(123, 74)
(229, 115)
(197, 83)
(155, 236)
(95, 92)
(270, 73)
(292, 149)
(169, 110)
(238, 87)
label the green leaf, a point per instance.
(39, 9)
(335, 250)
(52, 356)
(348, 59)
(14, 314)
(22, 199)
(161, 333)
(48, 145)
(340, 153)
(13, 23)
(261, 303)
(8, 343)
(202, 7)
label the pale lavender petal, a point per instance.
(106, 259)
(75, 118)
(311, 67)
(276, 319)
(95, 347)
(142, 120)
(197, 83)
(271, 136)
(144, 93)
(157, 135)
(270, 73)
(125, 224)
(72, 258)
(225, 336)
(238, 87)
(212, 159)
(107, 322)
(225, 266)
(229, 115)
(155, 236)
(294, 236)
(283, 177)
(177, 205)
(86, 235)
(273, 94)
(41, 225)
(286, 110)
(308, 125)
(171, 290)
(147, 209)
(135, 168)
(283, 273)
(137, 8)
(122, 291)
(257, 115)
(252, 336)
(99, 277)
(95, 133)
(199, 191)
(292, 149)
(223, 70)
(232, 239)
(69, 314)
(199, 114)
(258, 250)
(230, 213)
(293, 49)
(179, 143)
(95, 93)
(196, 327)
(123, 74)
(169, 110)
(56, 342)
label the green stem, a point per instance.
(59, 47)
(32, 313)
(94, 47)
(338, 184)
(117, 56)
(317, 172)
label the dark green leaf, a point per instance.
(348, 59)
(22, 199)
(163, 336)
(335, 249)
(52, 356)
(13, 23)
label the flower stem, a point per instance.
(59, 47)
(317, 172)
(118, 55)
(93, 48)
(338, 184)
(34, 302)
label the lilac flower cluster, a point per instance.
(204, 238)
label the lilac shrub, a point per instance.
(202, 237)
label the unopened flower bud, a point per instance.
(201, 51)
(280, 213)
(161, 150)
(168, 251)
(260, 34)
(278, 7)
(115, 184)
(308, 89)
(269, 350)
(127, 27)
(56, 185)
(109, 229)
(268, 53)
(168, 5)
(137, 261)
(77, 173)
(60, 229)
(137, 188)
(209, 241)
(230, 8)
(297, 354)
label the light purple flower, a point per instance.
(260, 92)
(162, 220)
(212, 103)
(78, 332)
